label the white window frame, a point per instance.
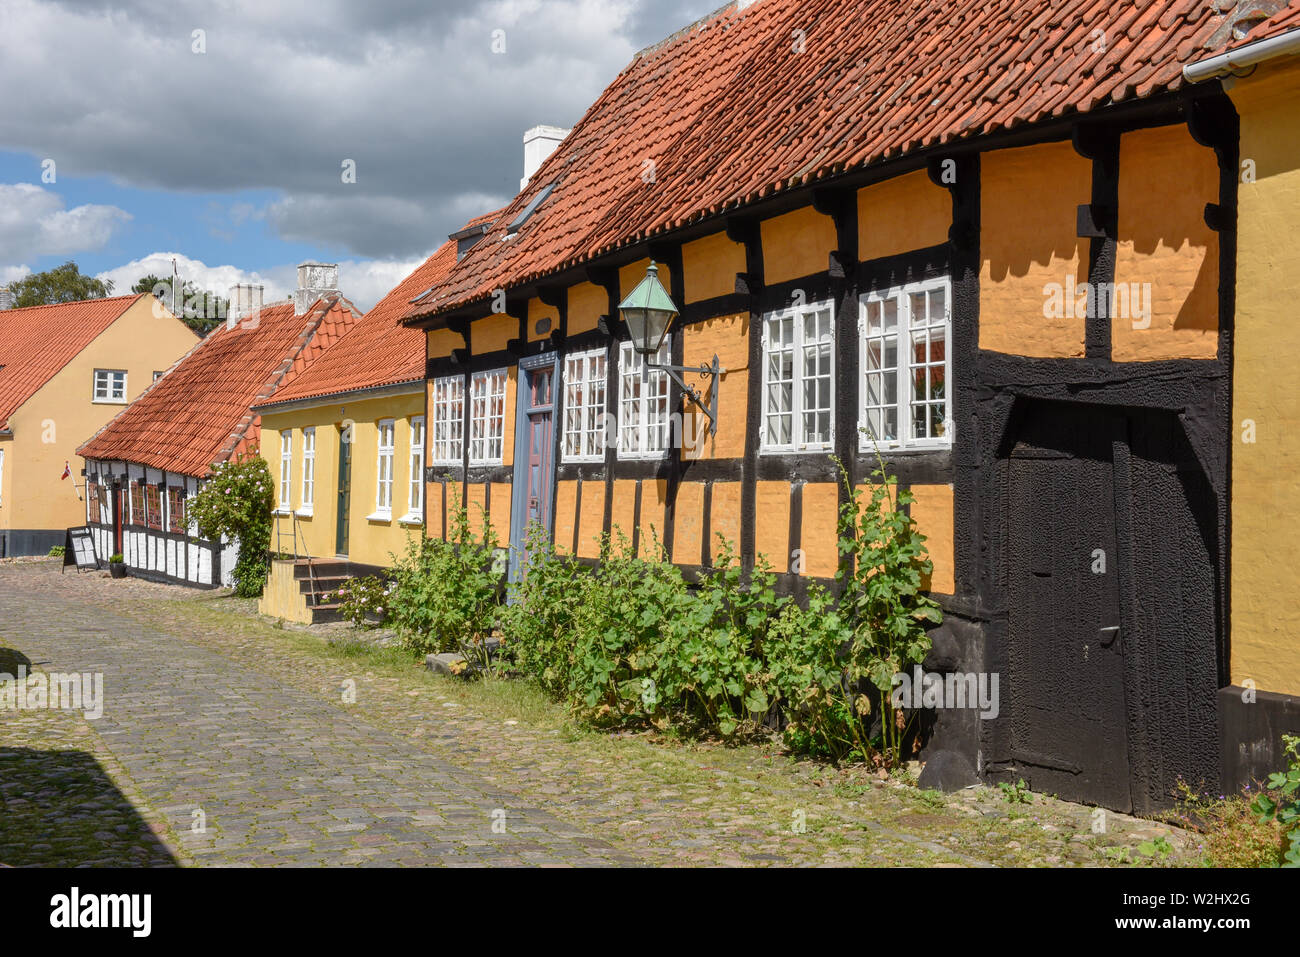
(307, 498)
(447, 413)
(109, 394)
(2, 475)
(634, 411)
(386, 430)
(415, 483)
(799, 441)
(487, 390)
(584, 418)
(286, 471)
(904, 332)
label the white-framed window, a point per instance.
(307, 502)
(110, 385)
(384, 482)
(286, 468)
(447, 407)
(2, 474)
(644, 425)
(584, 407)
(906, 366)
(487, 417)
(798, 379)
(415, 492)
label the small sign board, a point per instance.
(79, 549)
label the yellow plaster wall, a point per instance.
(493, 333)
(796, 244)
(901, 214)
(1266, 472)
(709, 266)
(439, 343)
(817, 535)
(728, 338)
(772, 524)
(566, 513)
(1029, 199)
(623, 517)
(537, 311)
(688, 518)
(591, 521)
(61, 415)
(724, 517)
(933, 513)
(1165, 180)
(587, 303)
(370, 541)
(654, 503)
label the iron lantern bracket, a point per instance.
(711, 372)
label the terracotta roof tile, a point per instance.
(38, 341)
(375, 351)
(199, 413)
(729, 113)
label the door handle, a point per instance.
(1108, 635)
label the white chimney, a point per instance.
(6, 298)
(539, 143)
(314, 281)
(245, 300)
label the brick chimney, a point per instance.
(314, 281)
(539, 143)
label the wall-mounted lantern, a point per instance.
(649, 312)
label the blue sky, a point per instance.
(215, 133)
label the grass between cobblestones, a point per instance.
(654, 798)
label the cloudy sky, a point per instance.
(139, 130)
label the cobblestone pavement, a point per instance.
(292, 751)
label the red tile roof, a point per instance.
(375, 351)
(1255, 23)
(730, 112)
(38, 341)
(200, 412)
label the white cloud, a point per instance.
(364, 282)
(34, 222)
(9, 273)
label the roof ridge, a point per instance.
(74, 302)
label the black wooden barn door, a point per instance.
(1066, 684)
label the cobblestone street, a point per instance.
(226, 740)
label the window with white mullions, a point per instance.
(308, 469)
(384, 483)
(110, 385)
(286, 468)
(415, 493)
(584, 407)
(906, 366)
(798, 376)
(643, 421)
(447, 408)
(487, 417)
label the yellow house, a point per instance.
(1261, 75)
(345, 442)
(65, 370)
(1009, 275)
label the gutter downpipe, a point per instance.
(1252, 54)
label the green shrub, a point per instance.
(56, 551)
(446, 593)
(1234, 834)
(362, 600)
(236, 502)
(115, 558)
(538, 623)
(882, 564)
(1283, 804)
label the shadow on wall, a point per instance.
(60, 809)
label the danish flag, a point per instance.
(67, 470)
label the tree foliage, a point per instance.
(66, 283)
(237, 502)
(199, 309)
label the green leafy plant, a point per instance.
(446, 594)
(115, 558)
(538, 622)
(1283, 805)
(883, 563)
(1157, 848)
(1015, 793)
(1233, 833)
(236, 502)
(56, 551)
(362, 600)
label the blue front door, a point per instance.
(534, 481)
